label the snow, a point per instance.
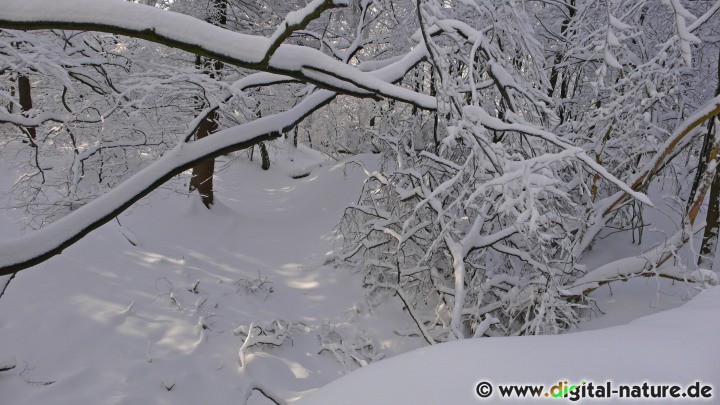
(678, 346)
(7, 363)
(611, 60)
(294, 19)
(166, 321)
(684, 34)
(615, 22)
(109, 322)
(62, 232)
(168, 302)
(240, 49)
(481, 116)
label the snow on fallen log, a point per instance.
(635, 267)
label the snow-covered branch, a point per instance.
(204, 39)
(36, 247)
(604, 209)
(299, 19)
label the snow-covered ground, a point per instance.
(677, 347)
(110, 322)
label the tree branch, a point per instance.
(29, 250)
(297, 20)
(204, 39)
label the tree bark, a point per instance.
(555, 72)
(712, 227)
(265, 157)
(203, 172)
(25, 95)
(25, 98)
(712, 223)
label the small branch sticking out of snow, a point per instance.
(27, 380)
(274, 333)
(255, 386)
(193, 289)
(5, 282)
(246, 343)
(127, 234)
(129, 308)
(168, 383)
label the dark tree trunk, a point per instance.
(25, 99)
(25, 95)
(555, 72)
(712, 227)
(703, 161)
(203, 172)
(265, 157)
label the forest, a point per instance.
(205, 201)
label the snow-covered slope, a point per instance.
(678, 346)
(108, 322)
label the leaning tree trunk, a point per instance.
(203, 172)
(712, 227)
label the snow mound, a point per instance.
(678, 346)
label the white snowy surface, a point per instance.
(678, 346)
(32, 245)
(99, 320)
(7, 363)
(107, 322)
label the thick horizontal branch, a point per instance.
(201, 38)
(31, 122)
(636, 266)
(38, 246)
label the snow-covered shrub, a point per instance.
(479, 229)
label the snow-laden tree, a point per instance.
(71, 85)
(325, 75)
(514, 131)
(546, 105)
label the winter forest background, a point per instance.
(254, 197)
